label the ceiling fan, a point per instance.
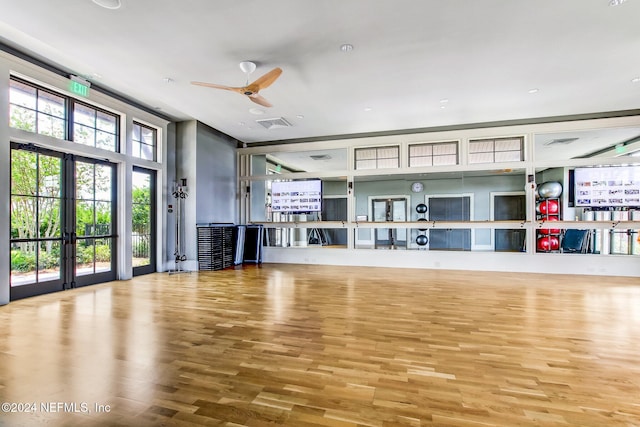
(250, 90)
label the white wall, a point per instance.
(551, 263)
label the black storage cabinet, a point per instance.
(216, 246)
(225, 245)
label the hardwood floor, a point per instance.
(301, 345)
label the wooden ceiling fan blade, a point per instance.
(267, 79)
(215, 86)
(259, 99)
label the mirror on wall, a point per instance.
(447, 197)
(606, 194)
(583, 144)
(298, 200)
(479, 187)
(299, 161)
(306, 237)
(484, 239)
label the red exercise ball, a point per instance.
(550, 230)
(548, 243)
(548, 207)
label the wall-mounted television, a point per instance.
(607, 186)
(296, 196)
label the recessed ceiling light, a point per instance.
(368, 109)
(443, 106)
(534, 90)
(256, 111)
(444, 101)
(635, 80)
(300, 116)
(108, 4)
(616, 2)
(346, 47)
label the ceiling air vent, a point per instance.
(561, 141)
(320, 156)
(278, 122)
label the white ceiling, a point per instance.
(483, 56)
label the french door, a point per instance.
(62, 221)
(389, 210)
(143, 247)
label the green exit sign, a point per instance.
(78, 88)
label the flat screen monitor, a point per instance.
(609, 186)
(296, 196)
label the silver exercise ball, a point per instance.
(550, 189)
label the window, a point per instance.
(378, 157)
(433, 154)
(496, 150)
(94, 127)
(36, 110)
(144, 142)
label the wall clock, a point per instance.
(417, 187)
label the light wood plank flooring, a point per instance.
(303, 346)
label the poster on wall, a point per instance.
(614, 186)
(296, 196)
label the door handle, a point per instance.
(69, 238)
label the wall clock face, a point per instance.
(417, 187)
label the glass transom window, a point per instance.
(144, 142)
(377, 157)
(36, 110)
(496, 150)
(94, 127)
(433, 154)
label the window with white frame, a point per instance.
(37, 110)
(496, 150)
(377, 157)
(433, 154)
(144, 141)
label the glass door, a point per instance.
(143, 246)
(62, 221)
(37, 212)
(94, 211)
(389, 210)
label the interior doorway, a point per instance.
(335, 209)
(509, 207)
(389, 210)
